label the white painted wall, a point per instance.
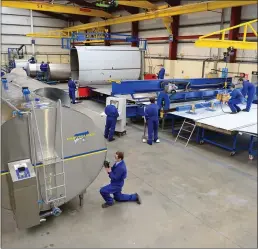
(16, 23)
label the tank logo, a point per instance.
(80, 136)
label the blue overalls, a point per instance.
(72, 88)
(161, 73)
(152, 119)
(249, 90)
(44, 70)
(112, 115)
(32, 60)
(117, 175)
(236, 99)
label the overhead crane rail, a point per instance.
(153, 14)
(207, 41)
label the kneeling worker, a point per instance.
(152, 119)
(117, 174)
(72, 88)
(236, 99)
(249, 90)
(112, 115)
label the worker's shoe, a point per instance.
(105, 137)
(157, 141)
(233, 113)
(106, 205)
(112, 139)
(245, 110)
(138, 200)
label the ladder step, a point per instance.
(189, 123)
(56, 199)
(183, 137)
(186, 130)
(63, 173)
(60, 186)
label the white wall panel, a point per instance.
(154, 33)
(247, 55)
(198, 31)
(21, 30)
(151, 24)
(13, 11)
(188, 50)
(49, 22)
(14, 20)
(158, 50)
(249, 12)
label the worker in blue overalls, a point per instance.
(152, 120)
(112, 115)
(32, 60)
(249, 90)
(44, 70)
(236, 99)
(72, 89)
(161, 73)
(117, 174)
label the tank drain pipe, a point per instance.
(54, 212)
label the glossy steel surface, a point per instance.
(57, 71)
(98, 64)
(83, 157)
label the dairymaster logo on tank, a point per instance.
(80, 136)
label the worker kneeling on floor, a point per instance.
(236, 99)
(249, 90)
(117, 174)
(112, 115)
(152, 120)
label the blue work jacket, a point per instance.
(118, 174)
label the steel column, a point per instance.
(107, 42)
(174, 27)
(135, 32)
(235, 19)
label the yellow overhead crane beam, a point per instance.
(58, 8)
(171, 11)
(205, 41)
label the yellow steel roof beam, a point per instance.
(172, 11)
(58, 8)
(139, 4)
(206, 41)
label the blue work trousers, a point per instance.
(117, 193)
(153, 125)
(232, 103)
(110, 127)
(72, 95)
(250, 99)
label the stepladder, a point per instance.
(187, 127)
(48, 153)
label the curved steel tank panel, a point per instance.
(54, 94)
(57, 71)
(83, 156)
(98, 64)
(21, 63)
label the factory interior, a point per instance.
(129, 124)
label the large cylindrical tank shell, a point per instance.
(19, 63)
(56, 71)
(83, 156)
(99, 64)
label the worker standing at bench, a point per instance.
(161, 73)
(236, 99)
(152, 119)
(112, 115)
(249, 90)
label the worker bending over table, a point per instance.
(236, 99)
(249, 91)
(112, 115)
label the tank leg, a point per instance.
(81, 198)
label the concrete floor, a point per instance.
(197, 196)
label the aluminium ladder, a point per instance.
(46, 163)
(190, 132)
